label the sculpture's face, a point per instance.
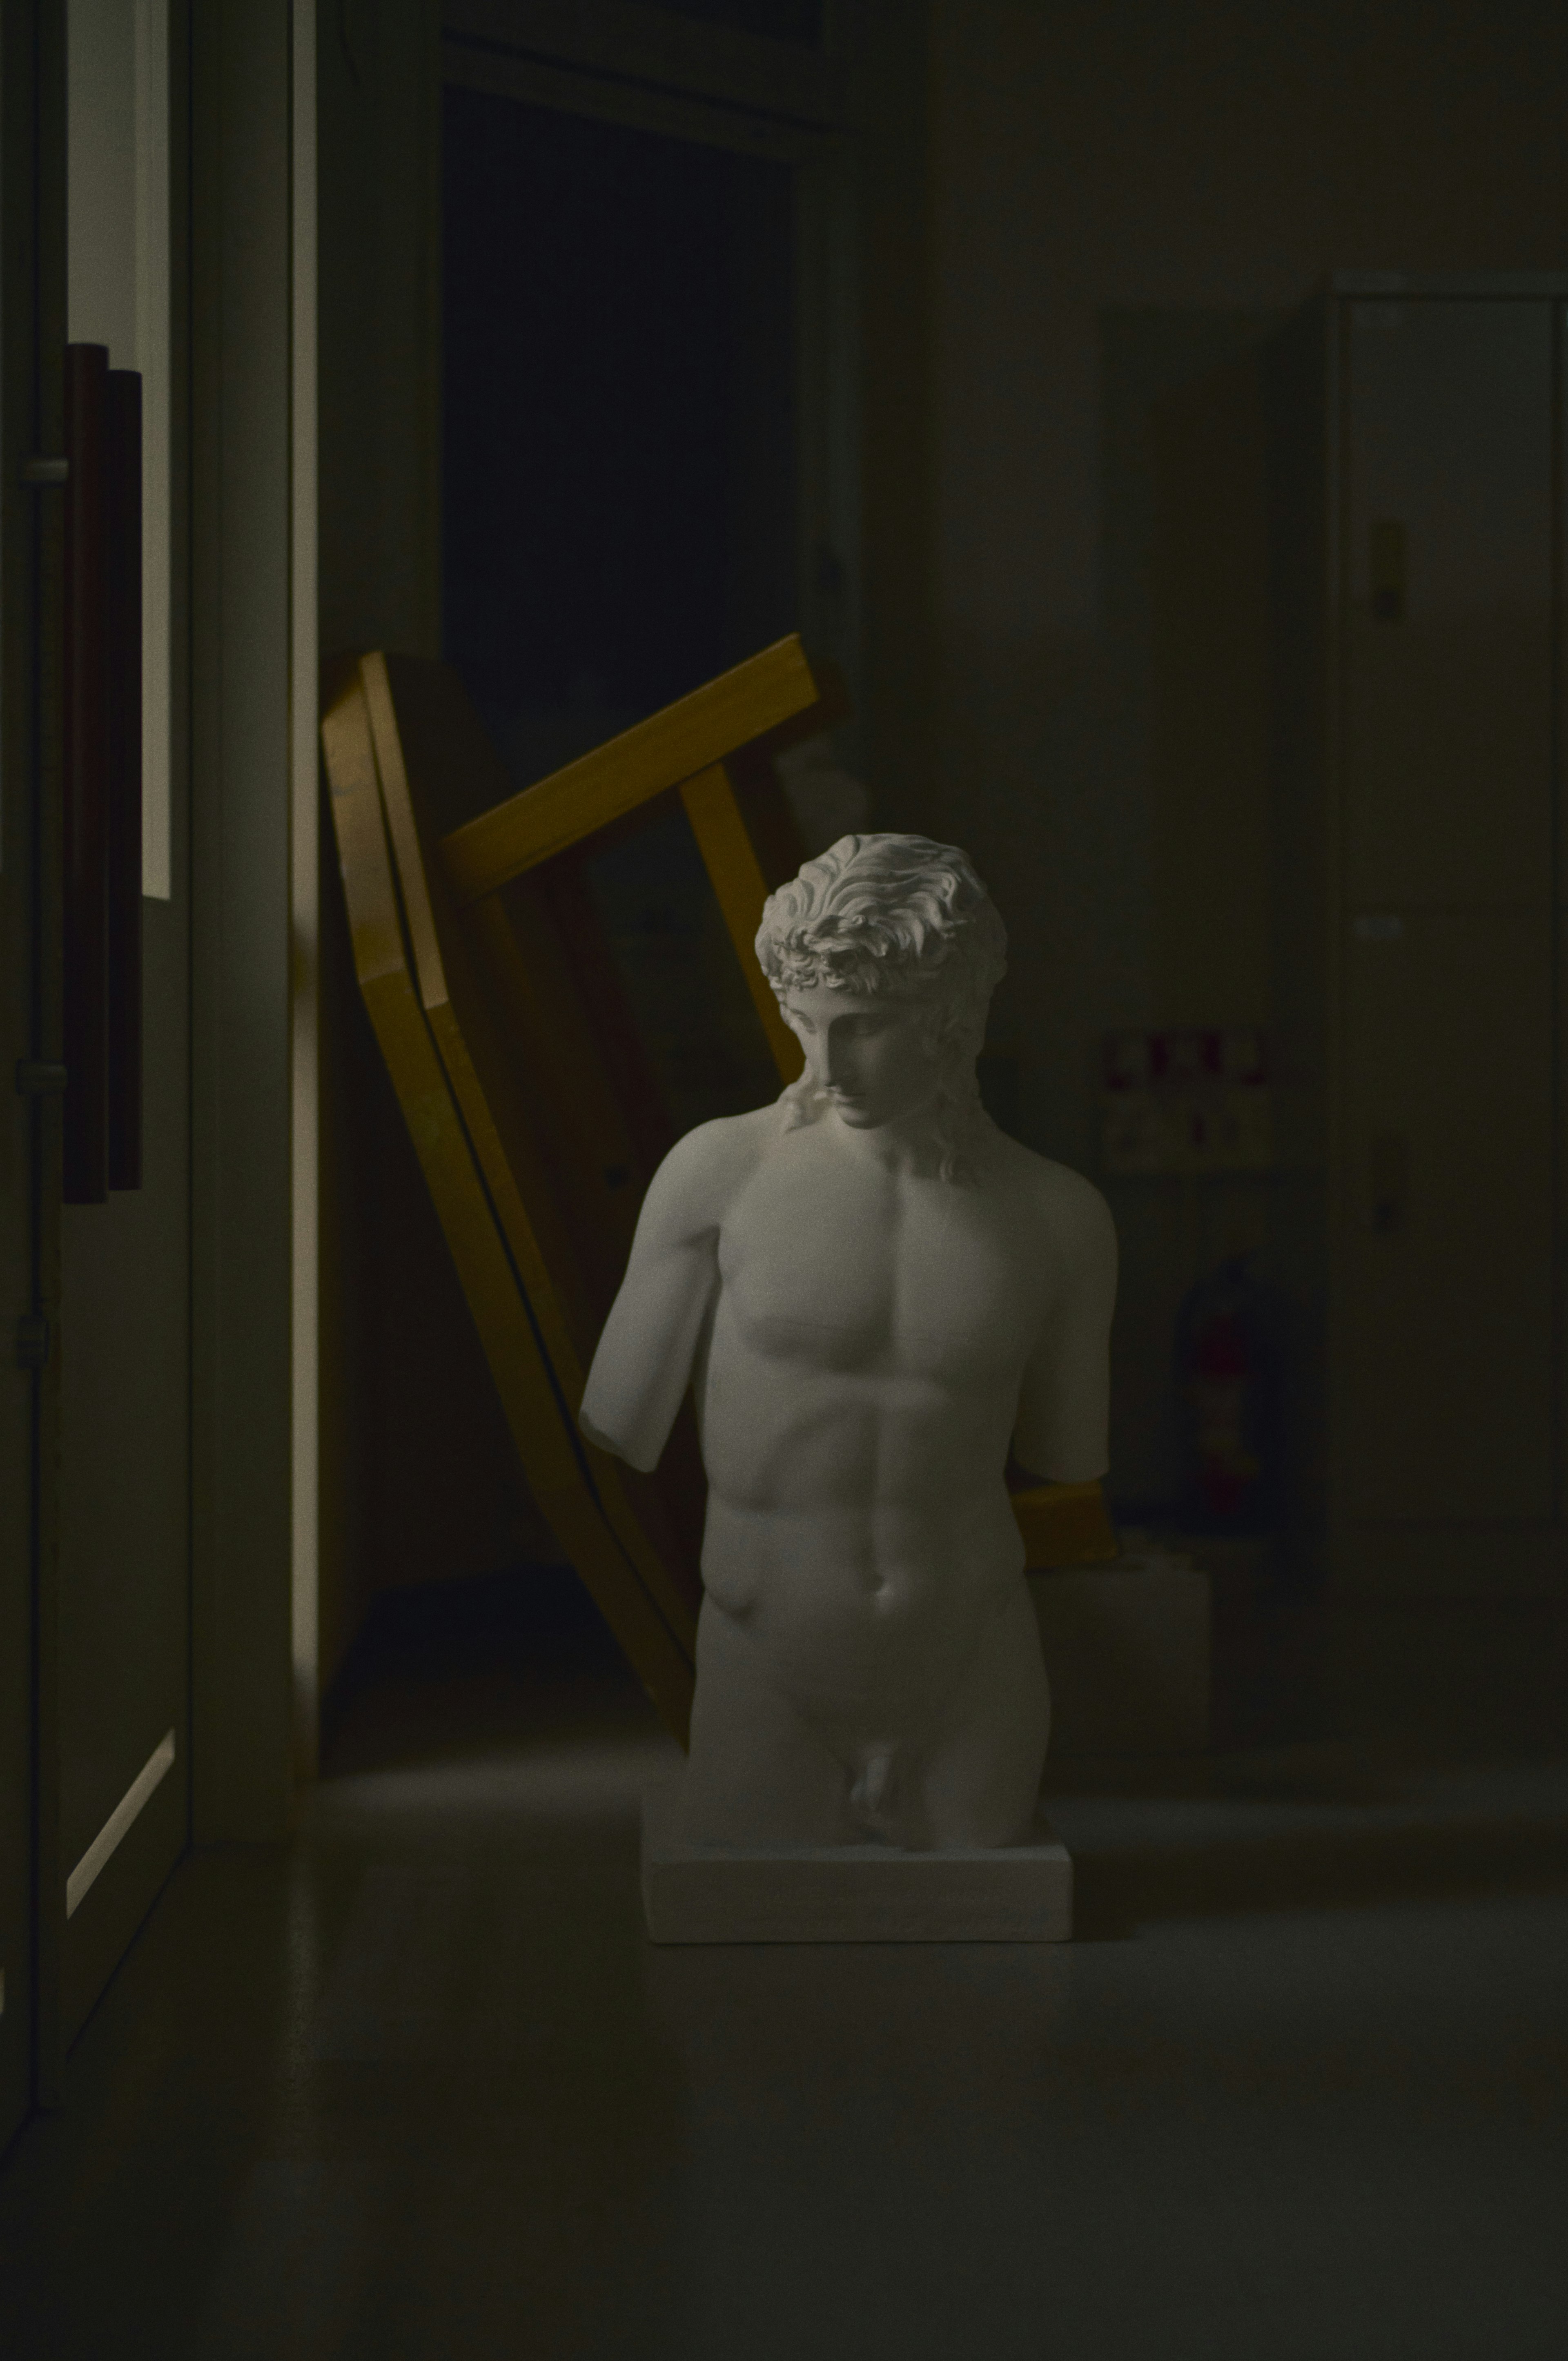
(869, 1053)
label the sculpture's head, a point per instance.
(884, 954)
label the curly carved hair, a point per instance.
(896, 914)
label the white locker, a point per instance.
(1416, 443)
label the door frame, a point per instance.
(249, 640)
(32, 346)
(242, 628)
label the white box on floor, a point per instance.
(848, 1894)
(1126, 1648)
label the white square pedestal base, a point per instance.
(848, 1894)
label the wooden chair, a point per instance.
(494, 998)
(517, 1066)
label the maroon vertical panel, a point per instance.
(122, 489)
(85, 784)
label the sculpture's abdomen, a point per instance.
(864, 1615)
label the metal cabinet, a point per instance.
(1415, 480)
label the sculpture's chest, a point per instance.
(840, 1265)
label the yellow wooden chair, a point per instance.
(494, 1001)
(504, 1078)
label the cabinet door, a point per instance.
(1446, 1310)
(1448, 541)
(124, 1612)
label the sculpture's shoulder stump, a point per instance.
(848, 1894)
(707, 1166)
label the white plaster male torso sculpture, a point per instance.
(876, 1292)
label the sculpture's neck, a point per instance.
(911, 1146)
(944, 1138)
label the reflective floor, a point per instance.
(419, 2086)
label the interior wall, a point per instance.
(1121, 197)
(240, 687)
(379, 101)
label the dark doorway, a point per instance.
(619, 494)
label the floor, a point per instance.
(417, 2085)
